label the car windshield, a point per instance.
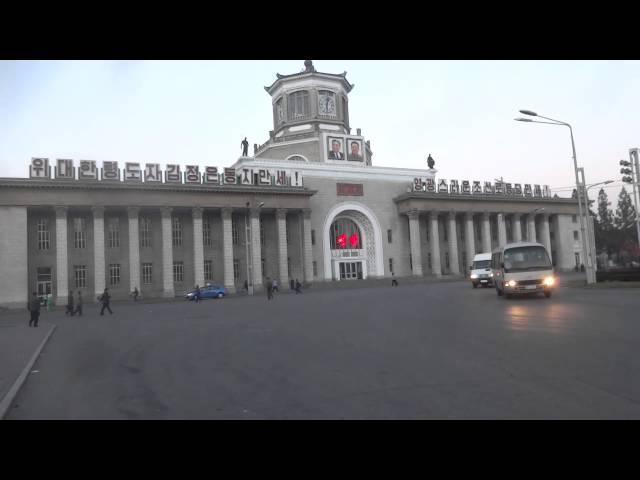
(479, 264)
(522, 259)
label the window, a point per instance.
(176, 232)
(315, 268)
(262, 236)
(574, 218)
(80, 274)
(208, 269)
(296, 158)
(391, 264)
(298, 105)
(206, 232)
(389, 235)
(145, 232)
(327, 103)
(79, 232)
(234, 232)
(344, 233)
(147, 273)
(114, 274)
(178, 271)
(236, 270)
(114, 233)
(313, 237)
(577, 257)
(575, 235)
(43, 234)
(551, 235)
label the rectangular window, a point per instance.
(43, 234)
(114, 274)
(313, 237)
(208, 270)
(145, 232)
(389, 235)
(147, 273)
(176, 232)
(178, 271)
(262, 234)
(206, 232)
(79, 232)
(298, 103)
(80, 274)
(574, 218)
(114, 233)
(234, 232)
(551, 235)
(575, 235)
(390, 263)
(236, 270)
(315, 268)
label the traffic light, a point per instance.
(626, 172)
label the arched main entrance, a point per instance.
(352, 243)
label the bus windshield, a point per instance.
(522, 259)
(480, 264)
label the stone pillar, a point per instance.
(469, 240)
(414, 242)
(516, 227)
(486, 233)
(434, 243)
(134, 249)
(281, 220)
(167, 253)
(307, 247)
(98, 250)
(544, 233)
(256, 252)
(227, 250)
(531, 227)
(453, 245)
(62, 267)
(198, 246)
(502, 230)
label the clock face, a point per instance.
(327, 106)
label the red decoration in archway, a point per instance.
(341, 240)
(354, 240)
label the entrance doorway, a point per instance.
(350, 270)
(44, 282)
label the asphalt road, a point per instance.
(434, 351)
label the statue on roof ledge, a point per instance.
(308, 66)
(431, 162)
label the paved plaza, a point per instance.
(420, 351)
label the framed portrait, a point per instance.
(354, 150)
(335, 148)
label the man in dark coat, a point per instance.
(135, 294)
(105, 298)
(269, 285)
(79, 307)
(197, 294)
(69, 310)
(34, 308)
(298, 286)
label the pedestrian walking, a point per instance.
(79, 306)
(34, 308)
(298, 286)
(105, 298)
(135, 294)
(69, 310)
(394, 282)
(291, 284)
(269, 285)
(275, 285)
(246, 286)
(197, 294)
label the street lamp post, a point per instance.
(585, 247)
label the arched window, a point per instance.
(296, 158)
(298, 105)
(344, 233)
(327, 103)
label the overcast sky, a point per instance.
(197, 112)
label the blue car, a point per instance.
(210, 291)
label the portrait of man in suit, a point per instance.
(354, 155)
(335, 153)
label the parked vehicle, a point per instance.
(208, 291)
(522, 268)
(481, 273)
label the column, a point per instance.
(469, 240)
(134, 249)
(281, 220)
(62, 267)
(198, 246)
(531, 227)
(486, 233)
(414, 241)
(502, 230)
(516, 227)
(256, 252)
(98, 250)
(227, 249)
(308, 252)
(453, 245)
(544, 233)
(167, 253)
(434, 243)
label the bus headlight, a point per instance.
(491, 274)
(511, 283)
(474, 276)
(549, 282)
